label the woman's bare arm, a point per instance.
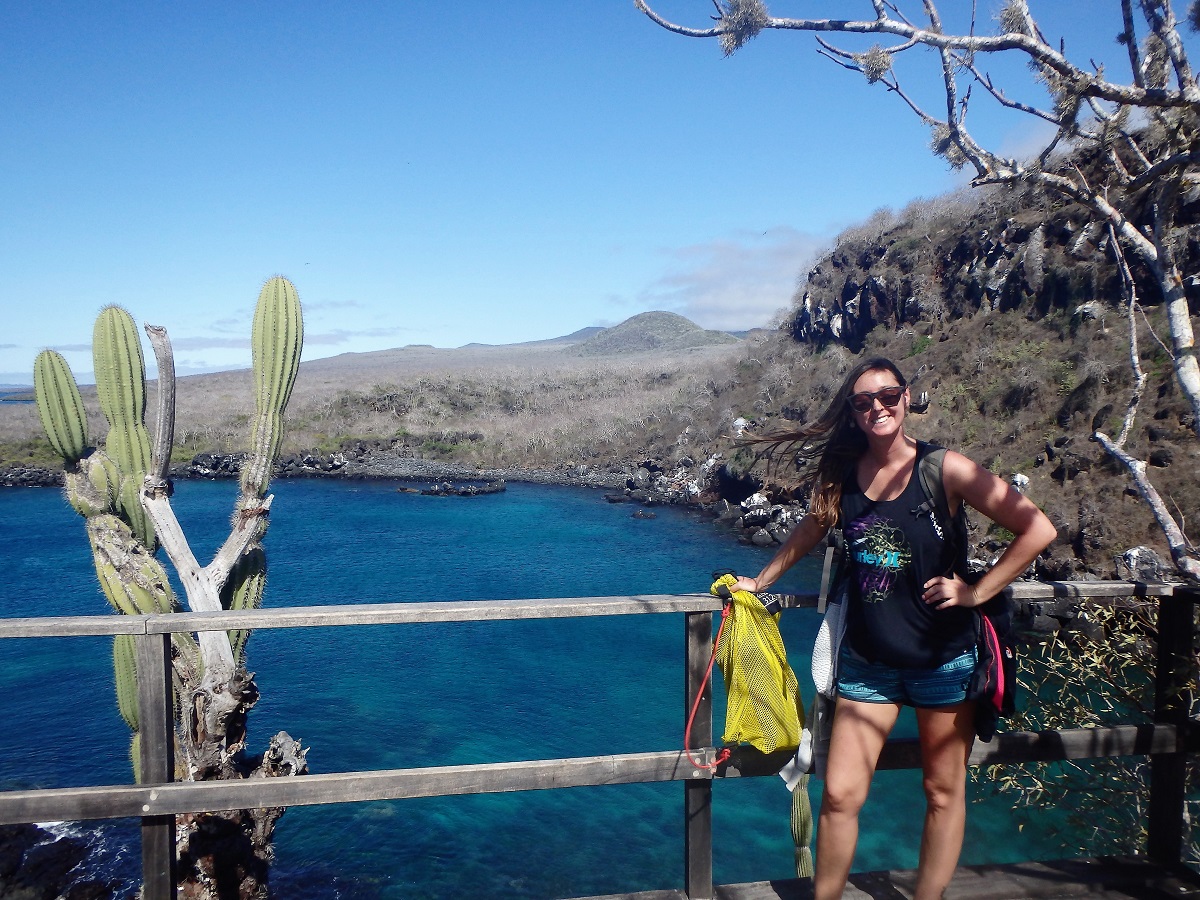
(967, 481)
(804, 537)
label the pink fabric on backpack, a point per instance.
(996, 682)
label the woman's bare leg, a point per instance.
(946, 736)
(859, 732)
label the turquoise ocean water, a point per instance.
(444, 694)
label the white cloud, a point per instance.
(737, 282)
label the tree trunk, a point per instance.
(227, 855)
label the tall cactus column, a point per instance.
(102, 486)
(121, 386)
(123, 494)
(276, 340)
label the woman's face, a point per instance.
(878, 387)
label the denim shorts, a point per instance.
(869, 682)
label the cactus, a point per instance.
(125, 675)
(244, 590)
(123, 495)
(275, 341)
(117, 354)
(121, 386)
(60, 406)
(104, 477)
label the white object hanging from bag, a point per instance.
(814, 739)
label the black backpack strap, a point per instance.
(831, 571)
(929, 470)
(950, 528)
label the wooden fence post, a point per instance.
(1174, 667)
(697, 793)
(157, 759)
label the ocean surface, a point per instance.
(445, 694)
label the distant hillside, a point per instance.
(647, 332)
(575, 337)
(652, 331)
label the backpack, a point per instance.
(993, 687)
(993, 684)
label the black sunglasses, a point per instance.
(888, 396)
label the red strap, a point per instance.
(687, 732)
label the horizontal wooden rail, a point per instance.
(486, 610)
(359, 614)
(1074, 743)
(119, 801)
(1089, 590)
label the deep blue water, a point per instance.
(444, 694)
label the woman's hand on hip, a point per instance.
(943, 592)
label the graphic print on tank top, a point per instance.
(881, 552)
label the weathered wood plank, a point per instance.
(1101, 879)
(360, 614)
(1047, 746)
(113, 801)
(1039, 590)
(72, 626)
(157, 761)
(1031, 591)
(1174, 670)
(697, 795)
(437, 611)
(483, 610)
(643, 895)
(1076, 743)
(1007, 747)
(69, 804)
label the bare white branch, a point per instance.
(1181, 552)
(164, 423)
(1039, 52)
(1135, 363)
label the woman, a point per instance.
(910, 633)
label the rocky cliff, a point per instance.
(1000, 250)
(1006, 311)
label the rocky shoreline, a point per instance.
(646, 483)
(372, 463)
(708, 487)
(214, 467)
(37, 865)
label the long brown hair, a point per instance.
(825, 451)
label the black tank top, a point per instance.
(892, 550)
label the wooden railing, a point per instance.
(1167, 740)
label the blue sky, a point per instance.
(429, 173)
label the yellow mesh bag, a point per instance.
(763, 697)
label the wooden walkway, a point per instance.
(1095, 879)
(1169, 742)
